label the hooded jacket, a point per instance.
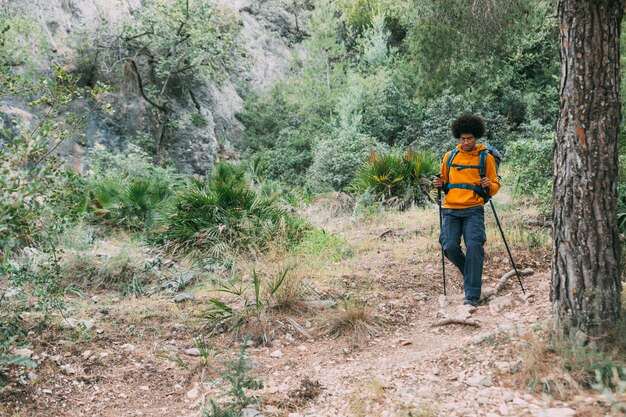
(459, 198)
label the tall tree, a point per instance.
(586, 282)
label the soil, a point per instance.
(136, 362)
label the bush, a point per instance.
(531, 162)
(128, 190)
(396, 179)
(224, 214)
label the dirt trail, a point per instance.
(138, 363)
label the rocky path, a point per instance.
(453, 370)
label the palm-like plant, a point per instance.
(224, 213)
(395, 178)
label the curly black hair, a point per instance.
(468, 123)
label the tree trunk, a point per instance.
(586, 282)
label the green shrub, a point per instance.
(128, 190)
(530, 161)
(224, 214)
(396, 179)
(324, 246)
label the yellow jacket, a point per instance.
(460, 198)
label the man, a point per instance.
(466, 193)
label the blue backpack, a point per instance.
(482, 160)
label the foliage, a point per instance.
(127, 190)
(224, 214)
(396, 179)
(236, 375)
(319, 244)
(530, 161)
(246, 307)
(31, 178)
(168, 48)
(353, 316)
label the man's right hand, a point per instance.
(437, 182)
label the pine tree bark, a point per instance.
(586, 281)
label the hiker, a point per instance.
(466, 194)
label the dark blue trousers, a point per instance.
(469, 223)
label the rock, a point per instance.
(481, 337)
(479, 381)
(459, 312)
(251, 412)
(192, 352)
(276, 354)
(320, 303)
(67, 369)
(443, 301)
(129, 347)
(500, 303)
(25, 352)
(77, 324)
(193, 393)
(557, 412)
(180, 298)
(11, 292)
(420, 296)
(86, 354)
(520, 403)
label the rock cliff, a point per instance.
(270, 32)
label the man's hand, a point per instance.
(484, 182)
(437, 182)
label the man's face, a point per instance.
(468, 142)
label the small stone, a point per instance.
(67, 369)
(302, 348)
(251, 412)
(519, 402)
(47, 391)
(443, 301)
(276, 354)
(25, 352)
(129, 347)
(557, 412)
(479, 381)
(504, 410)
(86, 354)
(420, 296)
(144, 388)
(178, 387)
(192, 393)
(480, 338)
(499, 303)
(77, 324)
(180, 298)
(192, 352)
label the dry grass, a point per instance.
(366, 399)
(562, 369)
(352, 317)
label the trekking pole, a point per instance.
(443, 263)
(507, 246)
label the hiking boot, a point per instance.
(471, 302)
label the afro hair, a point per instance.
(468, 123)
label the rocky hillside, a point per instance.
(269, 34)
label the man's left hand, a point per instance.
(484, 182)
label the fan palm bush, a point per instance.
(224, 214)
(395, 178)
(128, 190)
